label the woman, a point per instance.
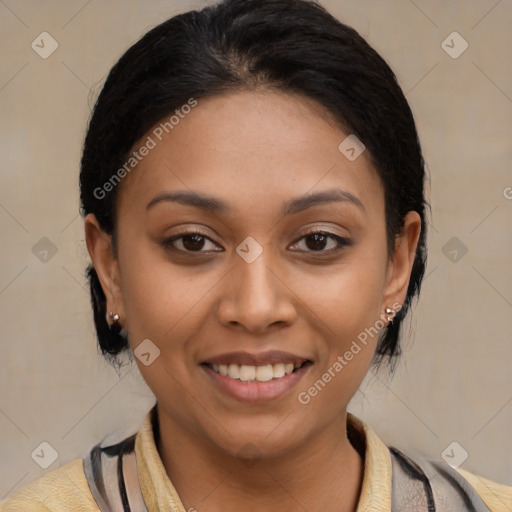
(252, 187)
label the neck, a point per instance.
(324, 473)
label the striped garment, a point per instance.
(130, 476)
(417, 485)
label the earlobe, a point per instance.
(402, 260)
(99, 246)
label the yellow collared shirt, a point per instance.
(66, 489)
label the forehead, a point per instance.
(243, 144)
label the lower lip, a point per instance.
(256, 391)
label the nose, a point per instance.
(256, 297)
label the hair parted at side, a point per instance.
(293, 46)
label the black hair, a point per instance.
(293, 46)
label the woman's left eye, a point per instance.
(317, 241)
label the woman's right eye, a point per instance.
(190, 241)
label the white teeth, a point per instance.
(247, 372)
(263, 373)
(234, 371)
(278, 370)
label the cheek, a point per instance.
(347, 306)
(164, 302)
(348, 299)
(352, 335)
(349, 328)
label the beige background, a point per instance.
(454, 383)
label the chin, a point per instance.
(257, 438)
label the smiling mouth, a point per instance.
(263, 373)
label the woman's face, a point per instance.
(229, 277)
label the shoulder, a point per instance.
(430, 481)
(61, 490)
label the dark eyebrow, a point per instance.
(327, 196)
(191, 199)
(291, 207)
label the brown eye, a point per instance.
(320, 241)
(193, 242)
(190, 241)
(317, 241)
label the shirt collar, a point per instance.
(376, 488)
(160, 494)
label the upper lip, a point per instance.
(260, 359)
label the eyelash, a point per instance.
(342, 242)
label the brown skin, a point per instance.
(254, 150)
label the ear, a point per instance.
(401, 261)
(100, 248)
